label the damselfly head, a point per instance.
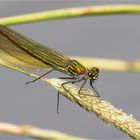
(93, 73)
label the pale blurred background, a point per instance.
(114, 36)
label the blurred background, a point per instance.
(113, 36)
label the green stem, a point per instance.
(71, 12)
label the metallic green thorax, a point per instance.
(75, 69)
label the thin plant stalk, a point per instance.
(71, 12)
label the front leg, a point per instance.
(91, 84)
(73, 81)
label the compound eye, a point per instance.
(97, 70)
(95, 73)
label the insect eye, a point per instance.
(94, 71)
(97, 70)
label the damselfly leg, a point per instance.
(91, 84)
(39, 77)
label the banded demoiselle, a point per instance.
(26, 53)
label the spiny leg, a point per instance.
(73, 81)
(58, 95)
(58, 102)
(39, 77)
(82, 85)
(92, 87)
(91, 84)
(58, 92)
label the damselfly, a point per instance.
(25, 53)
